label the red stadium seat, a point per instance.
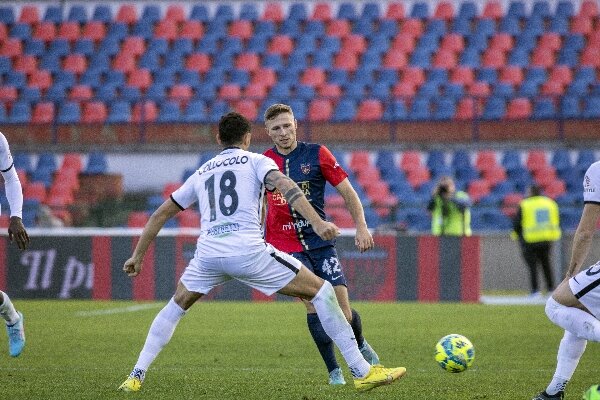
(264, 76)
(124, 62)
(403, 42)
(281, 44)
(247, 108)
(322, 12)
(11, 47)
(545, 176)
(542, 57)
(320, 110)
(3, 32)
(477, 189)
(330, 90)
(94, 30)
(552, 88)
(479, 89)
(453, 42)
(140, 78)
(137, 219)
(247, 61)
(550, 40)
(25, 63)
(334, 200)
(501, 41)
(8, 93)
(404, 89)
(445, 59)
(463, 75)
(45, 31)
(418, 176)
(588, 9)
(192, 29)
(493, 58)
(494, 175)
(22, 174)
(594, 39)
(41, 79)
(181, 92)
(29, 15)
(230, 91)
(72, 161)
(66, 177)
(198, 62)
(536, 159)
(395, 59)
(339, 28)
(444, 10)
(80, 92)
(127, 13)
(395, 11)
(367, 174)
(562, 74)
(519, 108)
(486, 159)
(313, 76)
(413, 27)
(510, 204)
(166, 29)
(582, 25)
(255, 91)
(134, 45)
(68, 30)
(346, 61)
(511, 74)
(493, 10)
(414, 75)
(170, 188)
(76, 63)
(43, 113)
(146, 111)
(94, 112)
(273, 12)
(175, 13)
(354, 43)
(35, 191)
(241, 29)
(590, 57)
(369, 110)
(555, 188)
(360, 159)
(4, 221)
(410, 160)
(466, 109)
(188, 219)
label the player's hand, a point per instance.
(364, 240)
(17, 233)
(326, 230)
(132, 267)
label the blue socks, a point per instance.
(323, 341)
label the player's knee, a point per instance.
(552, 309)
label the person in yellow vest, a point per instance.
(537, 226)
(450, 210)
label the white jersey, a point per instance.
(6, 160)
(229, 189)
(591, 184)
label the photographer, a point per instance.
(450, 213)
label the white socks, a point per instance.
(339, 330)
(160, 333)
(578, 322)
(570, 350)
(7, 310)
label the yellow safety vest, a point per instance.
(457, 223)
(540, 219)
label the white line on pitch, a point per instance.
(120, 310)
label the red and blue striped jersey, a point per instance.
(311, 166)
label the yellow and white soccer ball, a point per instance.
(454, 353)
(593, 393)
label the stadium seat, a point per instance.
(273, 12)
(43, 113)
(94, 112)
(518, 108)
(369, 110)
(137, 219)
(146, 111)
(69, 113)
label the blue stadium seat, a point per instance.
(217, 109)
(380, 90)
(300, 108)
(520, 177)
(529, 89)
(416, 219)
(347, 11)
(102, 13)
(420, 10)
(395, 110)
(34, 47)
(206, 91)
(77, 13)
(164, 77)
(23, 161)
(195, 111)
(30, 94)
(143, 28)
(467, 9)
(371, 11)
(249, 12)
(494, 108)
(20, 31)
(46, 160)
(470, 57)
(59, 48)
(516, 9)
(298, 12)
(511, 159)
(69, 112)
(20, 113)
(428, 90)
(155, 92)
(344, 110)
(461, 159)
(130, 93)
(7, 15)
(291, 27)
(224, 13)
(190, 78)
(265, 29)
(322, 60)
(569, 218)
(108, 47)
(444, 108)
(569, 107)
(559, 25)
(420, 109)
(106, 93)
(16, 79)
(519, 57)
(169, 111)
(536, 74)
(182, 46)
(461, 25)
(591, 107)
(541, 9)
(565, 9)
(84, 46)
(120, 111)
(114, 77)
(510, 25)
(258, 43)
(561, 160)
(97, 163)
(503, 89)
(544, 109)
(159, 46)
(199, 13)
(53, 14)
(585, 158)
(116, 31)
(151, 14)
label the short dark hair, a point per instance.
(232, 127)
(277, 109)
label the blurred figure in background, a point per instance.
(450, 210)
(17, 233)
(537, 226)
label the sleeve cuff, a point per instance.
(176, 203)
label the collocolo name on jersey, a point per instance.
(212, 164)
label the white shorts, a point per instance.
(586, 287)
(268, 271)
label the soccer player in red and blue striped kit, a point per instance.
(311, 166)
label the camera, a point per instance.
(443, 189)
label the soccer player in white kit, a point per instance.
(575, 303)
(230, 189)
(17, 233)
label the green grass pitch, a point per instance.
(263, 351)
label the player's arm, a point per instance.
(582, 241)
(295, 198)
(363, 239)
(167, 210)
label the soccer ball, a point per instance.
(592, 393)
(454, 353)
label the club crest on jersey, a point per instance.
(305, 168)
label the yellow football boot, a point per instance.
(131, 385)
(378, 376)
